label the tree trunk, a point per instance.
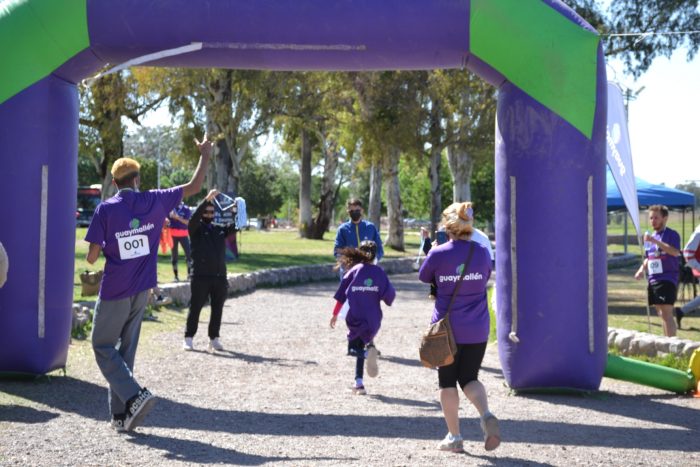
(461, 165)
(305, 218)
(108, 95)
(374, 210)
(435, 187)
(395, 238)
(224, 172)
(111, 137)
(328, 192)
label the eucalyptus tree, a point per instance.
(311, 120)
(103, 103)
(638, 31)
(471, 129)
(234, 107)
(388, 120)
(458, 118)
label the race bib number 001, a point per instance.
(133, 247)
(655, 266)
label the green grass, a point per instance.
(258, 250)
(282, 248)
(627, 306)
(671, 360)
(675, 222)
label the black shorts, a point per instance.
(661, 293)
(465, 368)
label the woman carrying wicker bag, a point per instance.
(469, 318)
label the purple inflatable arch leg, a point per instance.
(551, 252)
(39, 144)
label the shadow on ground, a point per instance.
(681, 425)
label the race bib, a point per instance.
(655, 266)
(133, 247)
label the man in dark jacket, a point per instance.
(208, 241)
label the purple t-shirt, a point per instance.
(469, 316)
(662, 266)
(364, 286)
(127, 226)
(183, 211)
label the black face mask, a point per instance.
(207, 220)
(355, 215)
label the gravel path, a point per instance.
(281, 395)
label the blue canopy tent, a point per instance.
(649, 194)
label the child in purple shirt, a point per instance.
(363, 287)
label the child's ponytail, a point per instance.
(350, 256)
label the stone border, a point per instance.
(246, 282)
(627, 342)
(641, 343)
(622, 261)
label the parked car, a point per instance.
(411, 223)
(88, 199)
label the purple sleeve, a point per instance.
(170, 198)
(389, 292)
(96, 231)
(340, 293)
(675, 240)
(426, 273)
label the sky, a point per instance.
(664, 119)
(664, 123)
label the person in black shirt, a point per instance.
(208, 242)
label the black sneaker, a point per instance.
(137, 408)
(118, 422)
(679, 316)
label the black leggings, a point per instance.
(465, 368)
(356, 348)
(213, 288)
(185, 241)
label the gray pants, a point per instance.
(691, 305)
(115, 336)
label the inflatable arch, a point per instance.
(546, 62)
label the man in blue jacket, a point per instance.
(356, 230)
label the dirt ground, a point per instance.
(280, 394)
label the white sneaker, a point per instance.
(371, 362)
(215, 344)
(452, 443)
(187, 345)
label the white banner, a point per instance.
(619, 152)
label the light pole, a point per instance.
(158, 164)
(166, 133)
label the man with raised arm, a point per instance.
(126, 229)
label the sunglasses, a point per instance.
(209, 213)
